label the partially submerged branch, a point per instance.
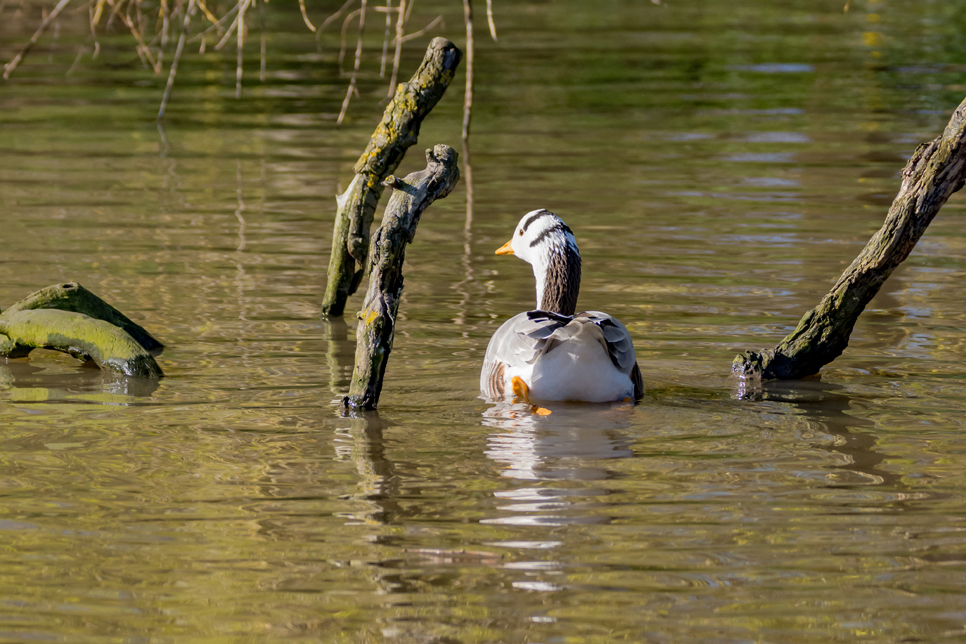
(934, 172)
(71, 296)
(398, 130)
(69, 318)
(374, 335)
(81, 336)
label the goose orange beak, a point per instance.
(505, 249)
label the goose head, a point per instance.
(544, 241)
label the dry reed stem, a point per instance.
(489, 19)
(468, 96)
(334, 17)
(417, 34)
(343, 40)
(98, 10)
(305, 16)
(12, 65)
(263, 50)
(177, 57)
(210, 16)
(385, 39)
(240, 37)
(355, 67)
(400, 30)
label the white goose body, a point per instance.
(558, 355)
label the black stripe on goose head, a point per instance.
(535, 215)
(559, 226)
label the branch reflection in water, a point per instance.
(362, 443)
(823, 409)
(26, 382)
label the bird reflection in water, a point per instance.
(572, 444)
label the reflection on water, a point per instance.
(25, 382)
(568, 444)
(823, 408)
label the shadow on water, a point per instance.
(24, 382)
(824, 408)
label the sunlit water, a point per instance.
(720, 163)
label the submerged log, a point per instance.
(69, 318)
(79, 335)
(398, 130)
(934, 172)
(71, 296)
(388, 251)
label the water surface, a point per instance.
(720, 163)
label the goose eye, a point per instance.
(521, 232)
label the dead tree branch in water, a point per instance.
(934, 172)
(377, 320)
(398, 130)
(69, 318)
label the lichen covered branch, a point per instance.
(934, 172)
(398, 130)
(376, 330)
(69, 318)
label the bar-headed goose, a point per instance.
(550, 353)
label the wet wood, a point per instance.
(374, 336)
(398, 130)
(934, 172)
(69, 318)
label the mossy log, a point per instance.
(69, 318)
(79, 335)
(71, 296)
(398, 130)
(377, 319)
(934, 172)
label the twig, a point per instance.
(77, 59)
(241, 45)
(305, 16)
(468, 96)
(417, 34)
(177, 57)
(234, 25)
(210, 16)
(342, 42)
(355, 67)
(12, 65)
(334, 16)
(385, 39)
(489, 19)
(98, 10)
(263, 54)
(400, 30)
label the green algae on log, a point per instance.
(398, 130)
(934, 172)
(79, 335)
(71, 296)
(374, 336)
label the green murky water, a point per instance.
(720, 163)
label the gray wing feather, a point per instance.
(518, 340)
(526, 336)
(620, 347)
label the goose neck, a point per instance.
(558, 281)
